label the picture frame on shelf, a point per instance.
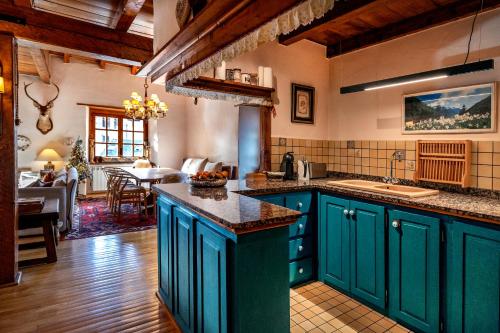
(467, 109)
(302, 104)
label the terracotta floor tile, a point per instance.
(308, 314)
(377, 328)
(327, 328)
(317, 321)
(297, 329)
(298, 318)
(307, 325)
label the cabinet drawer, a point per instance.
(301, 271)
(300, 248)
(302, 227)
(299, 201)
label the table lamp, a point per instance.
(49, 155)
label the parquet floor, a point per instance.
(102, 284)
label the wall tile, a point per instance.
(484, 171)
(485, 146)
(496, 146)
(496, 159)
(485, 183)
(485, 158)
(496, 184)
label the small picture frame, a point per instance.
(302, 104)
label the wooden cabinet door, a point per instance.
(165, 255)
(334, 242)
(184, 307)
(414, 242)
(367, 242)
(475, 287)
(211, 281)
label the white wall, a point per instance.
(165, 23)
(86, 83)
(377, 114)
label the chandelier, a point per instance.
(149, 108)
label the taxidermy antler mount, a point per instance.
(44, 123)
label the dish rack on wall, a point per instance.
(446, 162)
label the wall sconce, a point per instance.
(69, 141)
(2, 84)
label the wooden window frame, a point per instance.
(115, 113)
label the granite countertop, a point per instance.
(233, 208)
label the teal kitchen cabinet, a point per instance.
(211, 280)
(165, 251)
(352, 247)
(184, 287)
(301, 244)
(474, 291)
(414, 280)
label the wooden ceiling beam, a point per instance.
(236, 26)
(126, 13)
(34, 25)
(23, 3)
(449, 13)
(41, 64)
(342, 11)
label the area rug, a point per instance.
(92, 218)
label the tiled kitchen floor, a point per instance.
(316, 307)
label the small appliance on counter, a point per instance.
(303, 171)
(287, 166)
(318, 170)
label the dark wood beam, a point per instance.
(126, 13)
(341, 12)
(23, 3)
(34, 25)
(449, 13)
(238, 25)
(41, 64)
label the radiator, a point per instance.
(98, 179)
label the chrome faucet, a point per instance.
(398, 155)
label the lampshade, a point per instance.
(2, 86)
(49, 154)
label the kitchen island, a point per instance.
(227, 256)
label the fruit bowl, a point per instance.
(208, 182)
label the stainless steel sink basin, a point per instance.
(397, 190)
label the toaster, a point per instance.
(318, 170)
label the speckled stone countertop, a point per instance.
(235, 212)
(233, 208)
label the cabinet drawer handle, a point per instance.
(299, 204)
(301, 226)
(396, 224)
(346, 212)
(301, 248)
(301, 270)
(351, 212)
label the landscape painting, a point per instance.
(458, 110)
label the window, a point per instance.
(112, 135)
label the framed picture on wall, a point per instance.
(470, 109)
(302, 104)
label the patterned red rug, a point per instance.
(93, 218)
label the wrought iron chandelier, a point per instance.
(149, 108)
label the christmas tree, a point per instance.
(79, 161)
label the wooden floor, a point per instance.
(102, 284)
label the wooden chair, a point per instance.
(126, 192)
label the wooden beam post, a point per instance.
(126, 13)
(433, 18)
(67, 58)
(8, 162)
(41, 64)
(134, 70)
(23, 3)
(102, 64)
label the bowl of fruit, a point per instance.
(208, 179)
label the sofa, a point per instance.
(64, 188)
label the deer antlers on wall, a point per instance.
(44, 123)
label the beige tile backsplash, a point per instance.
(373, 158)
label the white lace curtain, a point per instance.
(302, 14)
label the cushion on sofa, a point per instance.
(197, 165)
(213, 167)
(185, 166)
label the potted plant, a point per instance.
(79, 161)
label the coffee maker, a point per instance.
(287, 166)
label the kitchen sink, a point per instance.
(391, 189)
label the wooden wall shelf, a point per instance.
(229, 87)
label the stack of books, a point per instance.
(30, 205)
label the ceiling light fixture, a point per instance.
(421, 77)
(149, 108)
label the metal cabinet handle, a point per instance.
(301, 226)
(351, 212)
(396, 224)
(346, 212)
(299, 204)
(301, 270)
(301, 248)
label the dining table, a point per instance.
(152, 175)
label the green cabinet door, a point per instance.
(414, 269)
(183, 309)
(367, 242)
(211, 280)
(334, 242)
(475, 276)
(165, 256)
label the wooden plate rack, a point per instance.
(446, 162)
